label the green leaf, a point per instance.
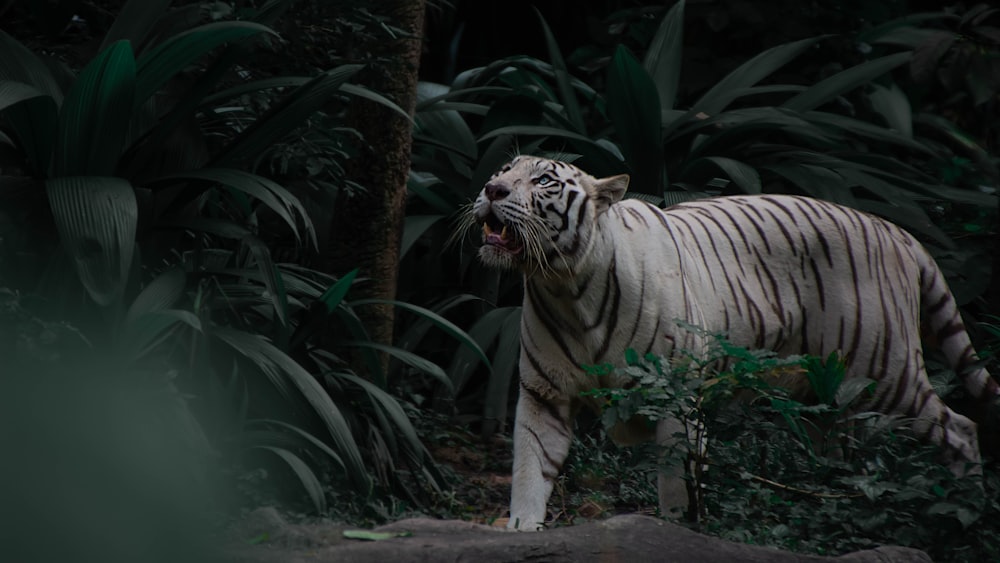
(19, 64)
(439, 321)
(483, 332)
(742, 174)
(663, 59)
(405, 356)
(134, 22)
(32, 117)
(749, 73)
(845, 81)
(161, 63)
(849, 390)
(96, 219)
(273, 195)
(414, 227)
(144, 332)
(390, 406)
(288, 114)
(305, 475)
(287, 434)
(867, 130)
(94, 118)
(272, 279)
(563, 78)
(365, 93)
(335, 295)
(161, 293)
(634, 110)
(278, 367)
(504, 364)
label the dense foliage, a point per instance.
(827, 477)
(166, 186)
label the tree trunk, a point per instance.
(367, 226)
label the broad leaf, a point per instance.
(161, 293)
(634, 110)
(94, 118)
(413, 228)
(563, 78)
(663, 59)
(438, 321)
(405, 356)
(280, 368)
(32, 117)
(305, 475)
(742, 174)
(845, 81)
(287, 115)
(134, 22)
(96, 218)
(750, 73)
(278, 199)
(162, 62)
(333, 297)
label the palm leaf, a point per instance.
(893, 105)
(749, 73)
(272, 280)
(134, 22)
(305, 475)
(405, 356)
(414, 228)
(96, 218)
(506, 360)
(563, 78)
(439, 321)
(161, 293)
(94, 118)
(286, 115)
(278, 367)
(273, 195)
(663, 59)
(32, 117)
(634, 110)
(742, 174)
(19, 64)
(845, 81)
(160, 64)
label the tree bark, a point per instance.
(367, 226)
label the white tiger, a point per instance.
(785, 273)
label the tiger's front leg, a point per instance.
(542, 436)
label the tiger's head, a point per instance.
(540, 215)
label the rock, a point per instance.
(630, 538)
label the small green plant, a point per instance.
(821, 477)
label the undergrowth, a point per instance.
(824, 477)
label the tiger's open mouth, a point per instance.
(498, 235)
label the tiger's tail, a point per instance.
(946, 328)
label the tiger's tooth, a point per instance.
(487, 231)
(503, 232)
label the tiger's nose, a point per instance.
(495, 191)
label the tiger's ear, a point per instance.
(610, 190)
